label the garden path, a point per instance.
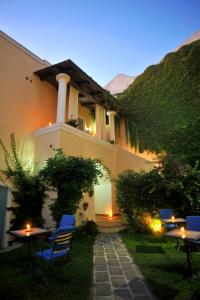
(116, 276)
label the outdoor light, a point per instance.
(28, 227)
(183, 235)
(182, 229)
(156, 225)
(110, 214)
(87, 129)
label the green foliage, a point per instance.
(162, 105)
(136, 193)
(28, 190)
(70, 176)
(89, 228)
(172, 184)
(110, 102)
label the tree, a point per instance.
(70, 176)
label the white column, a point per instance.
(98, 120)
(104, 136)
(112, 125)
(62, 79)
(73, 104)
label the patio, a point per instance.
(125, 266)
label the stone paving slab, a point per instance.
(116, 276)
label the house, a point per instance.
(39, 103)
(119, 83)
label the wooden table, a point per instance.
(28, 234)
(188, 236)
(174, 221)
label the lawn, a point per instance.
(71, 282)
(163, 266)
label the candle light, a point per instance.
(182, 229)
(173, 218)
(28, 227)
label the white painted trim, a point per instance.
(68, 128)
(24, 49)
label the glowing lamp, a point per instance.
(28, 227)
(182, 230)
(173, 218)
(110, 214)
(156, 225)
(87, 129)
(50, 123)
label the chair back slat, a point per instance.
(61, 240)
(193, 223)
(165, 213)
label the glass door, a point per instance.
(3, 205)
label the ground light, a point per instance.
(156, 225)
(110, 214)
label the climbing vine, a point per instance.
(162, 106)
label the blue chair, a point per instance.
(60, 246)
(67, 221)
(167, 213)
(193, 223)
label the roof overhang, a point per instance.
(91, 92)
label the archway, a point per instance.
(103, 195)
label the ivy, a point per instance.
(162, 106)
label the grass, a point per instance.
(164, 267)
(71, 282)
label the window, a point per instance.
(107, 118)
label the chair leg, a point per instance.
(177, 245)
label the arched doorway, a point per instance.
(103, 195)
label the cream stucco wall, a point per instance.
(75, 142)
(29, 104)
(26, 102)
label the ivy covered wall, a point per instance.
(162, 106)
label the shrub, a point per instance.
(172, 184)
(28, 190)
(70, 176)
(89, 228)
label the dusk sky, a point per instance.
(103, 37)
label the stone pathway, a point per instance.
(116, 276)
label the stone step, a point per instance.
(110, 225)
(111, 229)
